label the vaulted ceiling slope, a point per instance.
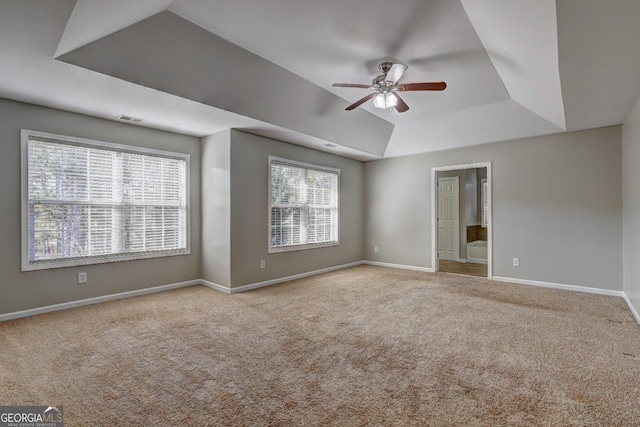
(514, 68)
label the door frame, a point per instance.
(434, 211)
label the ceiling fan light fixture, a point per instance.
(385, 100)
(384, 86)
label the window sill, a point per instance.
(76, 262)
(292, 248)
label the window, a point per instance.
(303, 210)
(88, 202)
(485, 203)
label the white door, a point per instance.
(448, 212)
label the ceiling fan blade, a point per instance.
(351, 85)
(360, 102)
(395, 72)
(422, 86)
(402, 106)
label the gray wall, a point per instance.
(481, 174)
(557, 205)
(20, 291)
(472, 196)
(631, 205)
(249, 211)
(216, 208)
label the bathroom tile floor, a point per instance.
(466, 268)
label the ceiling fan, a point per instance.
(385, 88)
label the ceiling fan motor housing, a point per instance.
(384, 67)
(380, 83)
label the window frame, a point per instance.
(484, 223)
(28, 265)
(303, 246)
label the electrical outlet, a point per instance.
(375, 249)
(82, 277)
(516, 262)
(263, 264)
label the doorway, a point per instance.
(461, 219)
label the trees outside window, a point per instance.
(303, 211)
(88, 202)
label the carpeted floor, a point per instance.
(366, 346)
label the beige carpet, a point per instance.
(366, 346)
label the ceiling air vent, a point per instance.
(130, 119)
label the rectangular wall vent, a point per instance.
(130, 118)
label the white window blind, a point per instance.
(303, 211)
(87, 202)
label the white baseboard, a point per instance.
(289, 278)
(215, 286)
(633, 310)
(586, 289)
(96, 300)
(130, 294)
(401, 266)
(460, 260)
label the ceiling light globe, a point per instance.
(391, 100)
(385, 100)
(379, 101)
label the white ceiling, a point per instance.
(514, 68)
